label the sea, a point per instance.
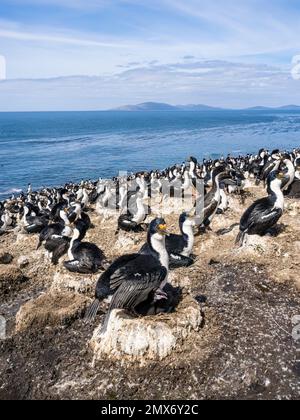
(52, 148)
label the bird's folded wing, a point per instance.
(130, 291)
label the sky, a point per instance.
(101, 54)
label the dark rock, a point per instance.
(6, 258)
(213, 262)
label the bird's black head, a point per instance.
(182, 219)
(63, 191)
(276, 175)
(158, 226)
(186, 217)
(286, 156)
(276, 154)
(192, 159)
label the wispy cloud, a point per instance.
(212, 82)
(71, 4)
(40, 37)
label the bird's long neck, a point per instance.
(277, 194)
(158, 246)
(26, 212)
(75, 238)
(188, 236)
(78, 211)
(291, 173)
(192, 169)
(139, 217)
(187, 181)
(64, 217)
(216, 185)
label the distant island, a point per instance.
(158, 106)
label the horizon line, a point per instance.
(119, 108)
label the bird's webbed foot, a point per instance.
(159, 295)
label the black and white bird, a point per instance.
(264, 214)
(207, 206)
(6, 221)
(132, 278)
(32, 221)
(180, 247)
(135, 215)
(271, 165)
(84, 257)
(57, 245)
(54, 229)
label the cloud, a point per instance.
(70, 4)
(213, 82)
(40, 37)
(2, 68)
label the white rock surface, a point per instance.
(147, 338)
(23, 261)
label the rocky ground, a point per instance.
(237, 343)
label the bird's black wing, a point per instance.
(178, 261)
(86, 248)
(175, 244)
(137, 268)
(135, 291)
(52, 243)
(59, 251)
(104, 287)
(261, 213)
(137, 288)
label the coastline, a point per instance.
(53, 148)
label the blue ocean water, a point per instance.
(54, 147)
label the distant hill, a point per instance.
(148, 106)
(159, 106)
(290, 108)
(280, 108)
(198, 108)
(258, 108)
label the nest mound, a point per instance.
(147, 338)
(50, 309)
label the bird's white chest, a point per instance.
(70, 254)
(188, 230)
(279, 203)
(159, 246)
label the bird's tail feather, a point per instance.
(92, 310)
(240, 239)
(105, 324)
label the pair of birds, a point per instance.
(62, 237)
